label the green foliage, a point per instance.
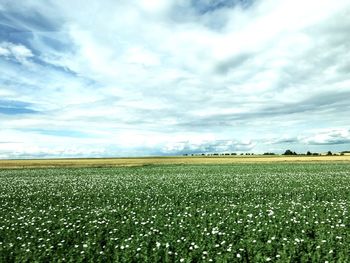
(194, 213)
(289, 152)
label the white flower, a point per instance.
(238, 255)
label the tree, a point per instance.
(289, 152)
(329, 153)
(308, 153)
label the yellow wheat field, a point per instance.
(108, 162)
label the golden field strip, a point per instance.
(141, 161)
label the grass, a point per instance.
(278, 212)
(112, 162)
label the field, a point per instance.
(113, 162)
(238, 212)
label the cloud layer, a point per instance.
(166, 77)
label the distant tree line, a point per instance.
(287, 152)
(308, 153)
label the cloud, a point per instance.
(216, 146)
(329, 137)
(27, 152)
(19, 52)
(11, 107)
(320, 140)
(282, 140)
(61, 133)
(129, 73)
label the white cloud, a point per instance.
(333, 136)
(19, 52)
(159, 74)
(213, 146)
(4, 51)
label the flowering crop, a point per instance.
(191, 213)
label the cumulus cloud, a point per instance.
(140, 73)
(216, 146)
(329, 137)
(18, 52)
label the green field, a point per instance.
(277, 212)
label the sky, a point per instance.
(151, 77)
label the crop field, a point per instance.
(267, 212)
(161, 160)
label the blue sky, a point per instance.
(151, 77)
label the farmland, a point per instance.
(236, 212)
(114, 162)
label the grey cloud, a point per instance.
(332, 141)
(232, 63)
(322, 137)
(324, 103)
(205, 6)
(284, 140)
(213, 15)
